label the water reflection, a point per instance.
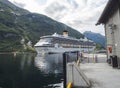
(25, 71)
(31, 70)
(49, 63)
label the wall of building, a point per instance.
(113, 34)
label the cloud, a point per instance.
(21, 5)
(31, 5)
(55, 7)
(55, 10)
(79, 14)
(73, 3)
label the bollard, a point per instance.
(69, 85)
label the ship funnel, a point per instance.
(65, 33)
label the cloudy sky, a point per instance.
(79, 14)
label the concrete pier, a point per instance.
(93, 74)
(101, 75)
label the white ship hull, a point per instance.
(58, 50)
(55, 50)
(59, 44)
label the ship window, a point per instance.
(45, 40)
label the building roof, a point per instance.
(109, 10)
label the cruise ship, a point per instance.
(57, 43)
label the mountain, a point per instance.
(17, 24)
(96, 37)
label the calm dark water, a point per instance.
(31, 70)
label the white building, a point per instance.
(111, 20)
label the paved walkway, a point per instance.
(101, 75)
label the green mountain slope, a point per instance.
(17, 24)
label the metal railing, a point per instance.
(65, 58)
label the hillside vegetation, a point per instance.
(19, 26)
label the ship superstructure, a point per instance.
(63, 43)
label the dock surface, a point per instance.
(101, 75)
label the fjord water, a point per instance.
(31, 70)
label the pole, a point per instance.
(88, 51)
(77, 55)
(78, 58)
(64, 69)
